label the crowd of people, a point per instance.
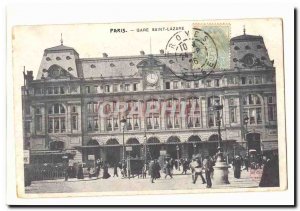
(196, 166)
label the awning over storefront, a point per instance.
(46, 152)
(87, 147)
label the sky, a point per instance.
(91, 40)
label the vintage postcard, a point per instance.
(149, 108)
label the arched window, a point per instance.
(252, 108)
(56, 119)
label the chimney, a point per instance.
(104, 55)
(161, 51)
(142, 52)
(29, 75)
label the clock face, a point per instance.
(152, 78)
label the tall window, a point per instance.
(167, 85)
(107, 88)
(232, 110)
(192, 112)
(38, 120)
(175, 84)
(74, 116)
(152, 116)
(56, 119)
(135, 87)
(272, 113)
(172, 113)
(92, 107)
(252, 106)
(212, 113)
(127, 87)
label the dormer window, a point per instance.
(93, 66)
(235, 60)
(171, 61)
(263, 58)
(68, 58)
(247, 47)
(58, 58)
(236, 48)
(48, 59)
(70, 69)
(112, 65)
(131, 64)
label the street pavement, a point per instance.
(179, 182)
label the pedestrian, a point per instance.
(156, 169)
(144, 171)
(116, 170)
(67, 173)
(185, 165)
(207, 166)
(246, 163)
(80, 171)
(98, 167)
(270, 175)
(168, 170)
(152, 171)
(176, 164)
(106, 175)
(237, 163)
(196, 169)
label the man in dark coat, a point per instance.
(237, 163)
(207, 166)
(80, 172)
(156, 169)
(270, 175)
(116, 170)
(106, 175)
(152, 171)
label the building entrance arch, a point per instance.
(112, 151)
(136, 147)
(213, 144)
(173, 147)
(193, 145)
(253, 142)
(153, 148)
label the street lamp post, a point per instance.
(221, 167)
(123, 124)
(246, 120)
(194, 145)
(177, 149)
(145, 149)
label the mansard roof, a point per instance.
(246, 38)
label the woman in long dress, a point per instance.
(106, 175)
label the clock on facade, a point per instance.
(152, 78)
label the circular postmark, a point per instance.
(193, 54)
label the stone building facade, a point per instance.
(75, 105)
